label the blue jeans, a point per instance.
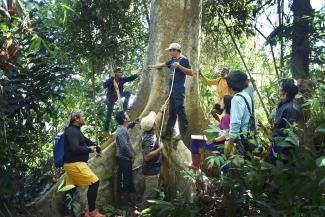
(110, 108)
(195, 146)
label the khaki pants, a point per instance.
(151, 186)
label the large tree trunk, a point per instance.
(171, 21)
(300, 53)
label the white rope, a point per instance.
(119, 98)
(163, 115)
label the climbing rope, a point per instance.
(119, 98)
(163, 115)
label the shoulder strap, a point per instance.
(251, 111)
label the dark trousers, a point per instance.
(125, 176)
(125, 184)
(110, 108)
(177, 109)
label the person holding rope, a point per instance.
(112, 85)
(151, 150)
(179, 67)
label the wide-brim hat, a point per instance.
(148, 122)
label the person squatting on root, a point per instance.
(213, 145)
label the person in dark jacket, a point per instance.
(287, 113)
(76, 154)
(112, 96)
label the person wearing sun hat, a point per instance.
(151, 151)
(179, 65)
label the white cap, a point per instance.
(148, 121)
(174, 46)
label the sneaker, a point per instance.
(178, 137)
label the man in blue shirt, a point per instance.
(180, 67)
(242, 106)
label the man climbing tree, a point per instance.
(179, 67)
(113, 84)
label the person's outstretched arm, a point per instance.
(157, 66)
(133, 77)
(208, 81)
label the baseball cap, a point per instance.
(147, 123)
(175, 46)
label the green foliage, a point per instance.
(110, 211)
(257, 188)
(73, 202)
(175, 208)
(213, 131)
(63, 188)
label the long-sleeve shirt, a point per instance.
(124, 149)
(287, 113)
(109, 85)
(76, 145)
(239, 114)
(221, 84)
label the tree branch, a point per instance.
(272, 52)
(242, 59)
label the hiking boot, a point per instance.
(94, 213)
